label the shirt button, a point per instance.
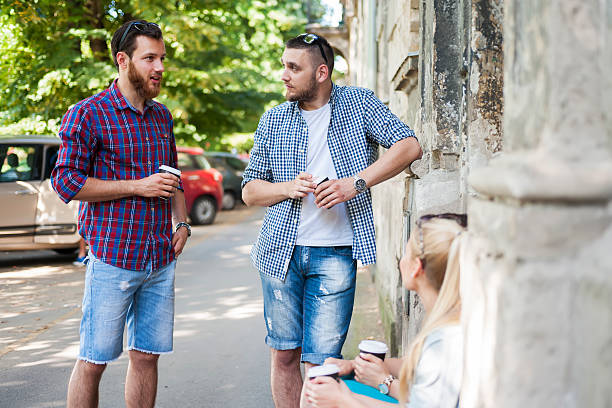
(149, 162)
(296, 221)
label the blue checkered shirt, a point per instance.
(359, 123)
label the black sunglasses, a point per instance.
(314, 39)
(138, 25)
(460, 219)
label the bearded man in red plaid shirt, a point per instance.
(113, 144)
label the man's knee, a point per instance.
(142, 359)
(91, 369)
(286, 358)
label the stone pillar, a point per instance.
(537, 274)
(442, 86)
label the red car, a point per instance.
(202, 184)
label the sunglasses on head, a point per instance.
(460, 219)
(138, 25)
(314, 39)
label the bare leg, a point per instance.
(141, 381)
(286, 378)
(303, 402)
(84, 383)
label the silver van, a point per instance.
(31, 214)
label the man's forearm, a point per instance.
(396, 159)
(106, 190)
(179, 211)
(264, 193)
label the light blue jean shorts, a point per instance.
(114, 296)
(312, 308)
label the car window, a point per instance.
(50, 160)
(20, 163)
(236, 163)
(185, 163)
(202, 162)
(216, 163)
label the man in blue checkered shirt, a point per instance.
(312, 164)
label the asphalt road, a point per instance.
(220, 358)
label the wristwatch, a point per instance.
(384, 386)
(183, 224)
(359, 184)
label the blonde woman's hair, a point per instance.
(441, 247)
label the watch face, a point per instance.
(383, 388)
(360, 185)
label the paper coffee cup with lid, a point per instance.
(171, 170)
(374, 347)
(325, 370)
(167, 169)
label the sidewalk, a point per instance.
(366, 322)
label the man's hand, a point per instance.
(157, 185)
(346, 366)
(179, 238)
(333, 192)
(301, 186)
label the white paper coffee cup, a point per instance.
(171, 170)
(374, 347)
(325, 370)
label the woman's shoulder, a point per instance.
(450, 335)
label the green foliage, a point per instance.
(222, 67)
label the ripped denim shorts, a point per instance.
(312, 308)
(115, 296)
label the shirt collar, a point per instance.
(121, 102)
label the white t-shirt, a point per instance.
(439, 373)
(321, 226)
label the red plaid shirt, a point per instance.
(105, 137)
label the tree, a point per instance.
(221, 73)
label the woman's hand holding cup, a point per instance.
(370, 370)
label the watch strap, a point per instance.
(184, 224)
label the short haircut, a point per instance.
(127, 42)
(313, 48)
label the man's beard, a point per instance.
(140, 83)
(305, 95)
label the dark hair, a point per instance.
(124, 38)
(299, 43)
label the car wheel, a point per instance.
(203, 211)
(229, 200)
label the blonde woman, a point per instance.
(430, 375)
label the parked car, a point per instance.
(232, 167)
(33, 216)
(203, 185)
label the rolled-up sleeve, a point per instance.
(259, 161)
(73, 160)
(381, 124)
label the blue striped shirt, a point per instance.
(359, 123)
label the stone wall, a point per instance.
(439, 65)
(511, 102)
(536, 281)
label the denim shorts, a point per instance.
(312, 308)
(114, 296)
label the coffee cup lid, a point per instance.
(170, 170)
(373, 346)
(325, 369)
